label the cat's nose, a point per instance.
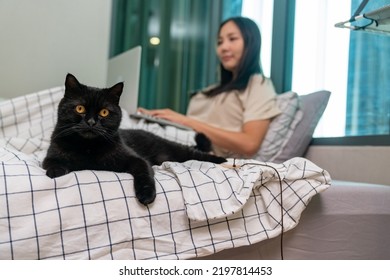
(91, 122)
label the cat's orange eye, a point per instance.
(104, 113)
(80, 109)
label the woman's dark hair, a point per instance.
(250, 61)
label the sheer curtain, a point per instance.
(368, 96)
(178, 45)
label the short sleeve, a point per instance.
(259, 100)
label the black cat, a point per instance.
(87, 136)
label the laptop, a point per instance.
(125, 67)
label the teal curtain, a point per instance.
(185, 58)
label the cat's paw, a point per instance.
(146, 194)
(54, 172)
(217, 159)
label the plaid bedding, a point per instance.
(201, 208)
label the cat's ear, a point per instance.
(117, 89)
(71, 82)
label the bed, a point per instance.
(200, 209)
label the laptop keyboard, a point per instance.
(161, 121)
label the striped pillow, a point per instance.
(281, 127)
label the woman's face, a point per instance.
(230, 46)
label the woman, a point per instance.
(236, 113)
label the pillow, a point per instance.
(312, 106)
(281, 127)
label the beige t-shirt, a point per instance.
(230, 110)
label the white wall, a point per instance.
(43, 40)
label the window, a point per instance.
(178, 43)
(353, 65)
(178, 46)
(261, 12)
(302, 50)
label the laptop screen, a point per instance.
(125, 67)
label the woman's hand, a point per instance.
(167, 114)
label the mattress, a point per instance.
(350, 221)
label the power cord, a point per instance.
(281, 199)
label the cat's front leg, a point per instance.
(144, 184)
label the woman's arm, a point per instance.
(246, 142)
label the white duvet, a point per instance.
(201, 208)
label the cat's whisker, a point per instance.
(107, 135)
(63, 131)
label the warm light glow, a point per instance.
(154, 41)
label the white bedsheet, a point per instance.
(201, 208)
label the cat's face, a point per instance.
(89, 112)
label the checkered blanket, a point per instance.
(201, 208)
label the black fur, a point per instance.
(202, 142)
(84, 138)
